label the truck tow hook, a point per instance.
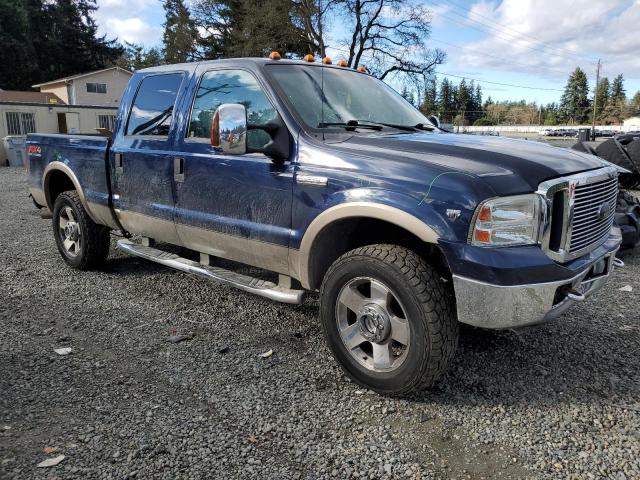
(617, 262)
(575, 295)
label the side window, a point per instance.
(231, 86)
(152, 108)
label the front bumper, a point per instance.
(490, 305)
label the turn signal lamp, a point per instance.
(326, 60)
(342, 63)
(361, 69)
(309, 58)
(274, 55)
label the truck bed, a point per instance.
(84, 155)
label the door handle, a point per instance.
(118, 160)
(312, 180)
(178, 169)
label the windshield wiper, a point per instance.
(349, 125)
(408, 128)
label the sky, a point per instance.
(516, 43)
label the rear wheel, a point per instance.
(82, 243)
(388, 319)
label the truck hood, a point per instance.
(509, 166)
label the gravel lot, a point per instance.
(558, 401)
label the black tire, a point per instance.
(430, 312)
(628, 219)
(94, 239)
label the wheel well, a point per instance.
(56, 183)
(344, 235)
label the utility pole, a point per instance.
(595, 102)
(540, 115)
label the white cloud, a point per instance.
(128, 20)
(133, 30)
(551, 37)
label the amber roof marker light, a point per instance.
(309, 58)
(342, 63)
(275, 55)
(361, 69)
(326, 61)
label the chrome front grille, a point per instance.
(594, 207)
(581, 210)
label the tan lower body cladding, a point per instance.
(244, 250)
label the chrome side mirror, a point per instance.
(435, 120)
(229, 129)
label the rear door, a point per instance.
(144, 160)
(232, 206)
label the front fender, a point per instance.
(404, 211)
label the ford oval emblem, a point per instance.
(604, 210)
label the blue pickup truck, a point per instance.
(327, 180)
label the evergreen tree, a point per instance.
(249, 28)
(135, 57)
(463, 98)
(616, 108)
(550, 114)
(574, 104)
(49, 39)
(634, 105)
(180, 33)
(602, 97)
(407, 95)
(16, 47)
(430, 103)
(617, 88)
(477, 98)
(446, 102)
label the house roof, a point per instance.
(80, 75)
(30, 97)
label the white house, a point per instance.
(632, 122)
(29, 112)
(102, 87)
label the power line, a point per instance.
(466, 25)
(466, 77)
(463, 47)
(519, 33)
(499, 83)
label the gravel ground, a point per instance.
(558, 401)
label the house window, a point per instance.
(107, 122)
(97, 87)
(20, 123)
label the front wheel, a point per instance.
(388, 319)
(82, 243)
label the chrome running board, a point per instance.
(253, 285)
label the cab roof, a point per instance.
(254, 61)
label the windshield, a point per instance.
(347, 95)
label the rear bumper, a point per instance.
(489, 305)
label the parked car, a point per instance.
(291, 167)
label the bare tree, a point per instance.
(389, 36)
(312, 17)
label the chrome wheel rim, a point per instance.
(69, 231)
(373, 324)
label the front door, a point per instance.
(232, 206)
(143, 160)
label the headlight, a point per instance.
(508, 221)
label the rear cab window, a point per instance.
(153, 107)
